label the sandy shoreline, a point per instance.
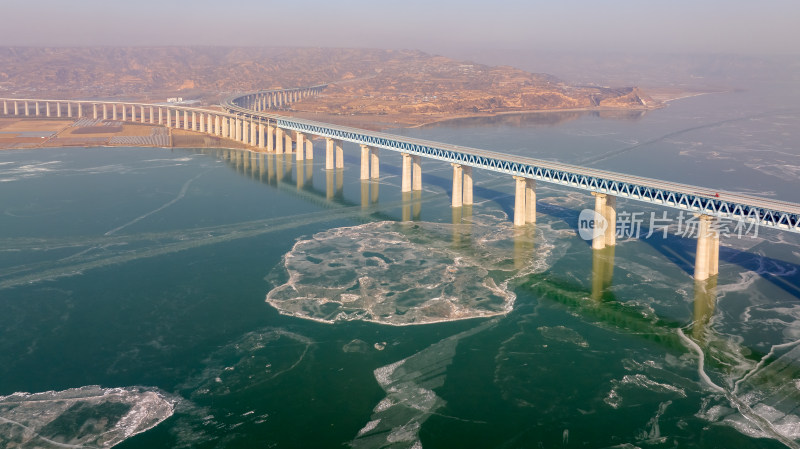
(29, 132)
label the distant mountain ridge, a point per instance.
(364, 81)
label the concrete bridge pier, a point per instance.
(524, 201)
(16, 108)
(160, 116)
(375, 167)
(105, 111)
(5, 107)
(301, 143)
(706, 262)
(407, 171)
(80, 110)
(365, 156)
(185, 120)
(605, 206)
(169, 118)
(279, 140)
(261, 142)
(329, 154)
(458, 195)
(269, 138)
(113, 111)
(287, 142)
(27, 109)
(309, 148)
(217, 129)
(94, 111)
(36, 108)
(124, 113)
(152, 116)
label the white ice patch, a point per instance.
(564, 335)
(253, 360)
(765, 403)
(407, 273)
(88, 416)
(410, 399)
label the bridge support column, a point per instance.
(152, 115)
(458, 184)
(169, 118)
(113, 111)
(287, 143)
(47, 109)
(706, 263)
(416, 179)
(261, 136)
(36, 108)
(467, 185)
(5, 107)
(194, 121)
(520, 200)
(186, 120)
(80, 110)
(374, 172)
(252, 133)
(301, 142)
(217, 129)
(94, 111)
(329, 159)
(160, 116)
(606, 207)
(27, 109)
(16, 108)
(339, 150)
(365, 157)
(407, 172)
(105, 111)
(124, 113)
(279, 140)
(310, 148)
(530, 200)
(269, 138)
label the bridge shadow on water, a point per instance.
(678, 249)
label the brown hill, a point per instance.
(364, 81)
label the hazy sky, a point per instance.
(696, 26)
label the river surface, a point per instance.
(156, 298)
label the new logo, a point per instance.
(591, 224)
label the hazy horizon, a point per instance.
(445, 27)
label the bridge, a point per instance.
(251, 119)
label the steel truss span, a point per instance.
(758, 211)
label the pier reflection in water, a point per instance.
(602, 271)
(705, 299)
